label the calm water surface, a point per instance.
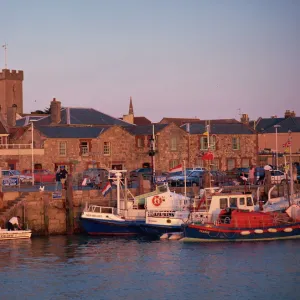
(81, 267)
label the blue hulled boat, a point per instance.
(125, 219)
(236, 225)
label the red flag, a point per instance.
(208, 156)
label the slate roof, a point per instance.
(219, 121)
(178, 121)
(145, 129)
(3, 126)
(286, 124)
(27, 119)
(76, 116)
(71, 131)
(142, 121)
(230, 128)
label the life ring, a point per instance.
(156, 200)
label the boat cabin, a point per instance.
(212, 204)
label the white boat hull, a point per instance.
(14, 234)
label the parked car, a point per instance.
(278, 176)
(195, 178)
(12, 177)
(40, 175)
(146, 173)
(91, 175)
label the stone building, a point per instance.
(270, 130)
(81, 138)
(233, 144)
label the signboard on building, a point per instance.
(160, 179)
(56, 195)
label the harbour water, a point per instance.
(80, 267)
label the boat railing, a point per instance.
(101, 209)
(262, 220)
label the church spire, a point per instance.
(130, 107)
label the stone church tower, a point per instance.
(11, 90)
(130, 117)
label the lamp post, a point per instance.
(151, 154)
(276, 142)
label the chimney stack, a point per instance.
(289, 113)
(245, 119)
(55, 108)
(12, 116)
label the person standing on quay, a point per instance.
(63, 176)
(57, 178)
(251, 175)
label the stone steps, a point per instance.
(5, 211)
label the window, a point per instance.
(140, 142)
(242, 201)
(62, 148)
(249, 201)
(215, 164)
(106, 148)
(204, 143)
(174, 163)
(84, 148)
(235, 143)
(173, 143)
(233, 202)
(245, 162)
(223, 203)
(230, 164)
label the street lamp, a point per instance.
(152, 154)
(276, 153)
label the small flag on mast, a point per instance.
(176, 169)
(106, 189)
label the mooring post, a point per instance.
(46, 215)
(69, 205)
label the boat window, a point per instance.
(163, 188)
(249, 201)
(242, 201)
(223, 203)
(233, 202)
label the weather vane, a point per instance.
(5, 54)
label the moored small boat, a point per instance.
(14, 234)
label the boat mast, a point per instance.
(118, 175)
(291, 167)
(184, 170)
(208, 150)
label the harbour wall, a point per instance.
(48, 213)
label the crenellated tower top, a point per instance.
(7, 74)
